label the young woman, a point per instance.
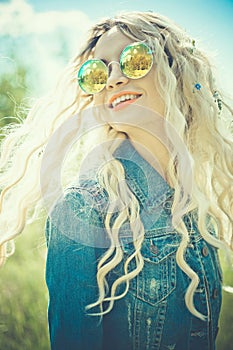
(133, 236)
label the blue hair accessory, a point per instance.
(197, 86)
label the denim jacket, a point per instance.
(153, 314)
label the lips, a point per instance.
(122, 99)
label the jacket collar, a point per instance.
(148, 185)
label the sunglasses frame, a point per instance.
(107, 66)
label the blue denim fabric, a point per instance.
(153, 314)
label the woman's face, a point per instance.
(109, 48)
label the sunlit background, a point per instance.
(37, 39)
(43, 35)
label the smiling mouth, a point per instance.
(123, 100)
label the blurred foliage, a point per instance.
(23, 301)
(13, 95)
(23, 295)
(225, 336)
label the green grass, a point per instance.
(225, 336)
(23, 297)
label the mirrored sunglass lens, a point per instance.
(92, 76)
(136, 60)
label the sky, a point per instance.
(36, 26)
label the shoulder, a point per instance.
(87, 199)
(80, 210)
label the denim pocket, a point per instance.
(158, 276)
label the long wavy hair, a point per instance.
(200, 117)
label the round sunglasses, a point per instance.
(136, 61)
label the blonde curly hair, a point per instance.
(203, 125)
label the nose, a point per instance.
(115, 78)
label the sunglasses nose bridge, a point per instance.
(113, 62)
(115, 76)
(109, 66)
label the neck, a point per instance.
(153, 147)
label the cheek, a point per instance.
(155, 99)
(157, 103)
(98, 99)
(101, 109)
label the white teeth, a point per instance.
(123, 98)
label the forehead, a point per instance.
(111, 43)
